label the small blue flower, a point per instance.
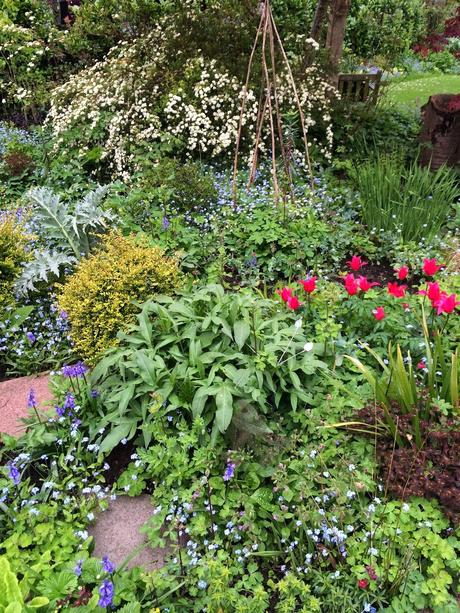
(202, 584)
(14, 474)
(107, 565)
(106, 594)
(229, 471)
(78, 567)
(31, 337)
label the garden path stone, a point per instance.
(116, 533)
(14, 394)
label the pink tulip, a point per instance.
(398, 291)
(356, 263)
(309, 284)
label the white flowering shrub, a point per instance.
(29, 40)
(316, 97)
(140, 96)
(112, 104)
(206, 117)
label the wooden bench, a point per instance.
(360, 87)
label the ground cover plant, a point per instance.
(265, 348)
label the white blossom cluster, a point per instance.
(20, 55)
(113, 103)
(316, 96)
(207, 118)
(132, 99)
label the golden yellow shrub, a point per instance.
(13, 253)
(99, 296)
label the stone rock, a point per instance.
(14, 394)
(116, 533)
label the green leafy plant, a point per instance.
(68, 232)
(209, 353)
(13, 253)
(412, 201)
(398, 381)
(11, 596)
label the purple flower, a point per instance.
(63, 315)
(76, 370)
(94, 394)
(60, 411)
(229, 471)
(14, 474)
(69, 402)
(106, 594)
(78, 567)
(31, 337)
(75, 424)
(107, 565)
(32, 401)
(165, 223)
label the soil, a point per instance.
(430, 472)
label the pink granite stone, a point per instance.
(14, 395)
(117, 534)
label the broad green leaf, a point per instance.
(241, 331)
(224, 413)
(147, 368)
(115, 436)
(37, 602)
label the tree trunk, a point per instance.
(319, 18)
(336, 32)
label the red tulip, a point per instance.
(433, 292)
(379, 313)
(447, 304)
(285, 293)
(309, 284)
(366, 285)
(293, 303)
(398, 291)
(351, 284)
(431, 267)
(363, 583)
(402, 272)
(356, 263)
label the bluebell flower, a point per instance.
(69, 402)
(165, 223)
(31, 337)
(229, 471)
(32, 401)
(75, 370)
(106, 592)
(107, 565)
(14, 474)
(78, 567)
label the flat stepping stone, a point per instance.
(14, 395)
(116, 533)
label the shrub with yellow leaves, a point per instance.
(13, 253)
(99, 298)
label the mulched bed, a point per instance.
(430, 472)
